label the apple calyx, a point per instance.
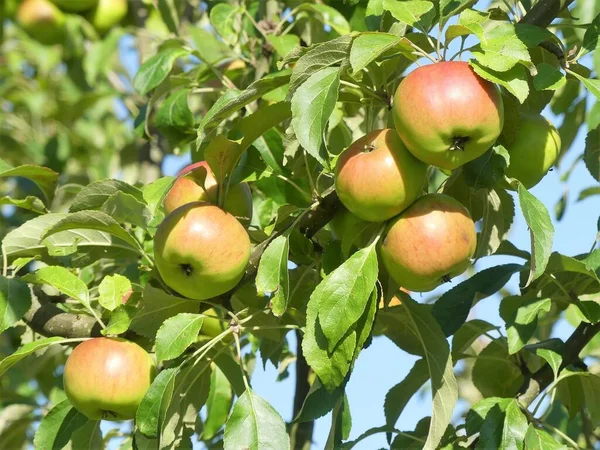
(446, 278)
(187, 269)
(459, 143)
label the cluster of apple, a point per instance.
(45, 20)
(445, 115)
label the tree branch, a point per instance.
(544, 12)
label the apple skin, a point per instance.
(189, 189)
(75, 5)
(42, 21)
(107, 14)
(107, 378)
(201, 251)
(429, 243)
(376, 177)
(533, 150)
(446, 114)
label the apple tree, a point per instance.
(351, 173)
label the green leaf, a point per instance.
(273, 275)
(57, 426)
(479, 411)
(344, 294)
(414, 13)
(156, 69)
(513, 79)
(452, 308)
(502, 49)
(329, 16)
(175, 112)
(469, 22)
(15, 301)
(222, 18)
(176, 334)
(44, 178)
(449, 8)
(155, 192)
(591, 154)
(497, 216)
(30, 203)
(284, 44)
(169, 14)
(255, 425)
(319, 57)
(218, 404)
(26, 350)
(367, 47)
(578, 388)
(318, 402)
(541, 231)
(495, 374)
(125, 208)
(93, 220)
(467, 334)
(312, 105)
(536, 439)
(63, 280)
(96, 194)
(112, 289)
(398, 396)
(157, 306)
(590, 38)
(520, 314)
(503, 428)
(444, 389)
(222, 155)
(551, 350)
(488, 169)
(593, 86)
(548, 77)
(151, 412)
(99, 54)
(120, 320)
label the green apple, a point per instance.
(201, 251)
(107, 378)
(533, 150)
(75, 5)
(376, 177)
(200, 184)
(429, 243)
(446, 114)
(107, 14)
(42, 21)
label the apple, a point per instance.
(42, 21)
(446, 114)
(429, 243)
(75, 5)
(107, 14)
(107, 378)
(533, 150)
(189, 188)
(376, 177)
(201, 251)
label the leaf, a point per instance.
(398, 396)
(156, 69)
(312, 105)
(494, 373)
(220, 398)
(449, 8)
(175, 112)
(88, 436)
(157, 306)
(502, 49)
(45, 179)
(93, 220)
(222, 17)
(15, 301)
(57, 426)
(469, 22)
(255, 425)
(593, 86)
(125, 208)
(467, 334)
(330, 17)
(317, 58)
(551, 350)
(541, 231)
(488, 169)
(344, 294)
(367, 47)
(222, 155)
(153, 407)
(284, 44)
(452, 308)
(318, 402)
(120, 320)
(415, 13)
(493, 227)
(99, 54)
(479, 411)
(513, 79)
(169, 14)
(273, 276)
(26, 350)
(30, 203)
(590, 38)
(176, 334)
(536, 439)
(503, 428)
(591, 154)
(96, 194)
(112, 289)
(155, 192)
(63, 280)
(548, 77)
(520, 314)
(444, 389)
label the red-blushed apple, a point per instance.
(533, 150)
(189, 188)
(446, 114)
(201, 251)
(75, 5)
(107, 378)
(376, 177)
(107, 14)
(42, 20)
(429, 243)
